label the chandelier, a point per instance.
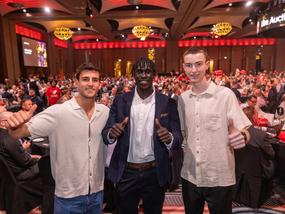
(141, 31)
(63, 33)
(222, 28)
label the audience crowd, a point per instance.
(262, 93)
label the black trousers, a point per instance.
(136, 185)
(219, 199)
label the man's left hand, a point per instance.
(162, 133)
(236, 139)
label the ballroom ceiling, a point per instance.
(110, 20)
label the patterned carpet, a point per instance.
(275, 205)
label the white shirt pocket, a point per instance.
(213, 121)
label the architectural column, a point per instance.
(9, 50)
(172, 56)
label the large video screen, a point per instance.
(34, 52)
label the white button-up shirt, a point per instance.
(141, 132)
(77, 151)
(208, 159)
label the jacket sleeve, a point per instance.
(174, 123)
(112, 119)
(17, 152)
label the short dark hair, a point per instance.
(24, 100)
(142, 64)
(195, 50)
(88, 66)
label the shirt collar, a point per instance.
(211, 90)
(146, 100)
(75, 105)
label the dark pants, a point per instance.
(219, 199)
(140, 184)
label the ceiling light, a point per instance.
(141, 31)
(230, 4)
(248, 3)
(24, 10)
(63, 33)
(79, 28)
(222, 28)
(137, 7)
(194, 37)
(47, 9)
(97, 40)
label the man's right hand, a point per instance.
(20, 118)
(118, 128)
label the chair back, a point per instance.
(45, 171)
(6, 173)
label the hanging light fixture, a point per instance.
(63, 33)
(222, 28)
(141, 31)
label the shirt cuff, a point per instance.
(110, 141)
(168, 146)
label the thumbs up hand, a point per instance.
(19, 118)
(118, 128)
(162, 133)
(236, 139)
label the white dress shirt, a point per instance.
(141, 131)
(208, 158)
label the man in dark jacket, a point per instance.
(145, 125)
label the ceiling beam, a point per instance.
(187, 12)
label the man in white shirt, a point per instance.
(145, 124)
(211, 121)
(77, 151)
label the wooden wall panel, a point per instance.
(105, 58)
(237, 58)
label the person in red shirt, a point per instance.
(53, 93)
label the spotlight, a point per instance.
(47, 9)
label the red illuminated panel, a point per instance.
(108, 45)
(27, 32)
(227, 42)
(60, 43)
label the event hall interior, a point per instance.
(46, 40)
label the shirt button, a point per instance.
(197, 139)
(90, 174)
(197, 152)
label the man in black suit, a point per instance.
(145, 125)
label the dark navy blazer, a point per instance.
(166, 112)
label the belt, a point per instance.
(140, 166)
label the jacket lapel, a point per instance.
(128, 98)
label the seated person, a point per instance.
(22, 164)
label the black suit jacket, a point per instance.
(166, 112)
(22, 164)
